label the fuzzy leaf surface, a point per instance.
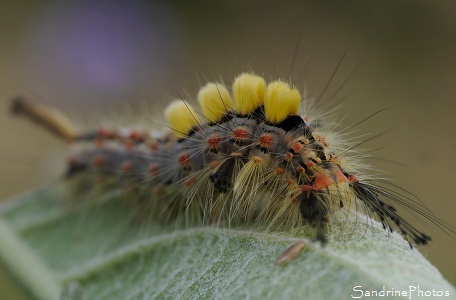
(98, 252)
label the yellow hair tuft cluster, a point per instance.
(280, 101)
(248, 92)
(215, 101)
(181, 117)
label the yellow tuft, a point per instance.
(215, 101)
(248, 91)
(280, 101)
(181, 117)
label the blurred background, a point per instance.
(86, 57)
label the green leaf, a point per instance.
(98, 252)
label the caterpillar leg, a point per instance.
(312, 210)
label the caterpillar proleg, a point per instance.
(249, 156)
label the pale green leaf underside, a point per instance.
(100, 254)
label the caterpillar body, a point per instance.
(250, 156)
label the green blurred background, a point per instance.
(87, 57)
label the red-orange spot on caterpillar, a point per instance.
(154, 169)
(309, 164)
(279, 170)
(289, 156)
(159, 190)
(322, 182)
(104, 133)
(240, 133)
(213, 141)
(256, 159)
(297, 147)
(265, 140)
(305, 188)
(184, 159)
(99, 143)
(190, 182)
(153, 147)
(340, 176)
(129, 146)
(353, 178)
(127, 166)
(291, 181)
(99, 160)
(134, 135)
(321, 139)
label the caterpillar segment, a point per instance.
(249, 157)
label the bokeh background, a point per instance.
(86, 57)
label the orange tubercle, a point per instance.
(99, 160)
(265, 140)
(213, 141)
(322, 181)
(240, 133)
(184, 158)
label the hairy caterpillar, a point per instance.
(252, 156)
